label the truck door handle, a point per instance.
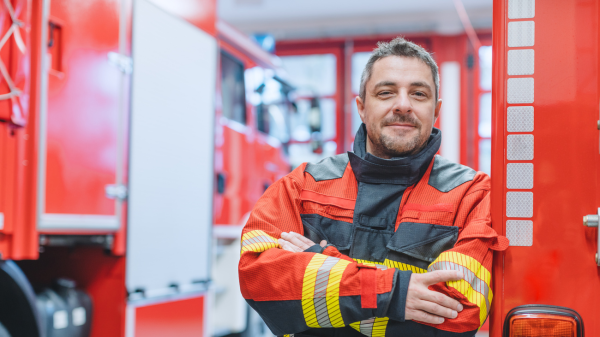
(220, 183)
(593, 220)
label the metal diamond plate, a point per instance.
(521, 9)
(521, 34)
(519, 176)
(519, 90)
(519, 147)
(519, 119)
(520, 62)
(519, 232)
(519, 204)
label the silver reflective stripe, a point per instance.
(478, 284)
(258, 239)
(320, 298)
(366, 327)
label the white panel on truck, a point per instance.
(171, 152)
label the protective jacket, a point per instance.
(383, 220)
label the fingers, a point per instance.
(438, 276)
(297, 240)
(302, 238)
(436, 309)
(323, 243)
(422, 316)
(286, 245)
(441, 299)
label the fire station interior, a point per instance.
(136, 137)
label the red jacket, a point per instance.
(383, 220)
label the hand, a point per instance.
(429, 306)
(295, 242)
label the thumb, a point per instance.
(323, 243)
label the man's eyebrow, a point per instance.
(385, 84)
(420, 84)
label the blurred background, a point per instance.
(136, 136)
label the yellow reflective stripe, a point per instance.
(355, 326)
(258, 241)
(476, 285)
(372, 327)
(379, 326)
(333, 293)
(259, 247)
(394, 264)
(252, 234)
(308, 290)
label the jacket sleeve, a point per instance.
(295, 292)
(472, 255)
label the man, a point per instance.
(405, 238)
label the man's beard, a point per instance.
(394, 146)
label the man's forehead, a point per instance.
(401, 68)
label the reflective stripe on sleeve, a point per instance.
(258, 241)
(321, 292)
(476, 283)
(373, 327)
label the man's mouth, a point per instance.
(402, 125)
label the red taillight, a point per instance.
(532, 325)
(543, 321)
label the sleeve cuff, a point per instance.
(314, 249)
(397, 307)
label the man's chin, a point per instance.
(400, 144)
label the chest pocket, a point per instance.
(439, 214)
(336, 232)
(328, 218)
(419, 244)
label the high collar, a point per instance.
(399, 170)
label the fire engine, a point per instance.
(126, 134)
(136, 136)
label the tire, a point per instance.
(3, 331)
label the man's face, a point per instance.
(400, 108)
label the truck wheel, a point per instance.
(3, 331)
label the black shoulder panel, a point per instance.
(328, 168)
(446, 175)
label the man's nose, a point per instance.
(402, 103)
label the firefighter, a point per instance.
(389, 239)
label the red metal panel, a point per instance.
(15, 55)
(18, 151)
(559, 268)
(179, 318)
(83, 105)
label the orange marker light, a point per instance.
(531, 325)
(536, 320)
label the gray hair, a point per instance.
(399, 47)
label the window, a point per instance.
(359, 61)
(485, 109)
(313, 124)
(232, 89)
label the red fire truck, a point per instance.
(128, 129)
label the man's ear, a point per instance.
(436, 113)
(361, 108)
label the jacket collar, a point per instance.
(400, 170)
